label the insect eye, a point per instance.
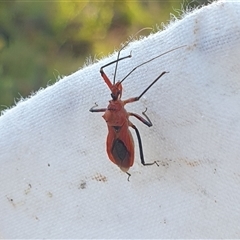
(114, 97)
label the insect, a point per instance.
(119, 144)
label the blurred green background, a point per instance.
(40, 40)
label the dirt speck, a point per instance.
(99, 177)
(82, 185)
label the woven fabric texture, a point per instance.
(57, 181)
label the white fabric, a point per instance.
(57, 181)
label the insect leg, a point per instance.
(93, 109)
(104, 76)
(146, 121)
(108, 64)
(140, 147)
(134, 99)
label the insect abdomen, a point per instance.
(120, 153)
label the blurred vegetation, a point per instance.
(40, 40)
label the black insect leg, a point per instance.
(146, 121)
(141, 148)
(93, 109)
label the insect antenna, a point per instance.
(150, 61)
(118, 56)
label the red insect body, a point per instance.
(119, 144)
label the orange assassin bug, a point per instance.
(119, 144)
